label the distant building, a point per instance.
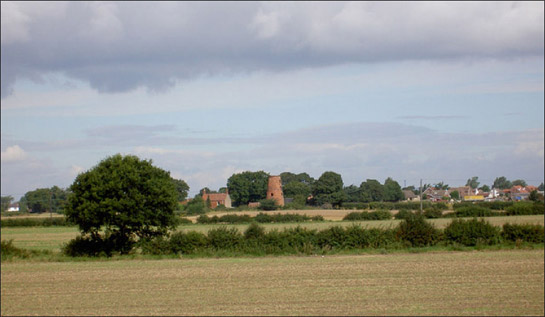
(217, 199)
(410, 196)
(274, 190)
(13, 207)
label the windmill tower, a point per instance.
(274, 190)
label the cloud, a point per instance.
(13, 154)
(117, 46)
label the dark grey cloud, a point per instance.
(118, 46)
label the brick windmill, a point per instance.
(274, 190)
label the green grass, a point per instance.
(433, 283)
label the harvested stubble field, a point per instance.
(52, 238)
(446, 283)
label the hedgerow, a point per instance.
(414, 231)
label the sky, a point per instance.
(438, 91)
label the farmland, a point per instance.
(443, 283)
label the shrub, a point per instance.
(472, 232)
(87, 246)
(358, 237)
(332, 237)
(526, 232)
(224, 238)
(254, 231)
(156, 245)
(299, 238)
(365, 215)
(432, 213)
(403, 214)
(36, 222)
(416, 231)
(526, 208)
(187, 242)
(268, 204)
(8, 250)
(360, 206)
(473, 211)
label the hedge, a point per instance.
(412, 232)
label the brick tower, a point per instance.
(274, 190)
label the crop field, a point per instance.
(52, 238)
(444, 283)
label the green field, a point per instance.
(52, 238)
(444, 283)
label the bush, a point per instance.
(156, 246)
(187, 242)
(473, 211)
(224, 238)
(416, 231)
(360, 206)
(332, 237)
(472, 232)
(254, 231)
(403, 214)
(87, 246)
(8, 250)
(365, 215)
(268, 204)
(526, 232)
(432, 213)
(525, 208)
(35, 222)
(196, 206)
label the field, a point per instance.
(446, 283)
(52, 238)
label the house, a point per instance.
(410, 196)
(434, 194)
(13, 207)
(217, 199)
(464, 191)
(521, 193)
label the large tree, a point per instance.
(247, 187)
(371, 190)
(288, 177)
(181, 188)
(45, 200)
(296, 188)
(121, 199)
(502, 183)
(352, 193)
(519, 182)
(473, 182)
(328, 189)
(392, 190)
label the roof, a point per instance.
(215, 196)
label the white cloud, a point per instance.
(123, 46)
(13, 154)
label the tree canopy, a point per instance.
(122, 198)
(45, 200)
(473, 182)
(392, 190)
(181, 188)
(328, 189)
(501, 183)
(248, 187)
(371, 190)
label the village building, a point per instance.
(217, 199)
